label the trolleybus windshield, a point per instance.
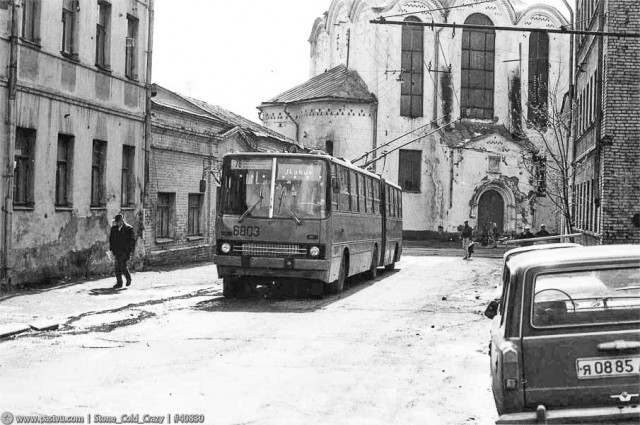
(292, 188)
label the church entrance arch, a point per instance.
(491, 210)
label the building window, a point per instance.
(328, 147)
(163, 214)
(69, 24)
(195, 211)
(494, 164)
(98, 180)
(24, 166)
(409, 170)
(103, 29)
(131, 48)
(478, 48)
(412, 65)
(64, 167)
(127, 192)
(538, 78)
(31, 20)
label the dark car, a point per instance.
(565, 338)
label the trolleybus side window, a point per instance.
(376, 196)
(362, 199)
(335, 197)
(345, 200)
(400, 203)
(355, 207)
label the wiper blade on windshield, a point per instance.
(250, 210)
(280, 204)
(291, 213)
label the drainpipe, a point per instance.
(147, 115)
(571, 93)
(294, 122)
(11, 138)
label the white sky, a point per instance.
(234, 54)
(237, 54)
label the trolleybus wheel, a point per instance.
(373, 269)
(228, 287)
(393, 264)
(337, 285)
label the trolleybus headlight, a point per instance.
(314, 251)
(225, 248)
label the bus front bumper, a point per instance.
(233, 265)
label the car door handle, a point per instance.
(619, 345)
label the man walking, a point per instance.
(121, 242)
(467, 232)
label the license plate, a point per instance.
(602, 367)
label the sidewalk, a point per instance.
(44, 309)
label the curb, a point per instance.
(13, 329)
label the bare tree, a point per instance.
(551, 162)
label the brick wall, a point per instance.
(620, 166)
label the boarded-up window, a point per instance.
(409, 170)
(412, 66)
(538, 78)
(478, 50)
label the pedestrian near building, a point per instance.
(542, 232)
(526, 234)
(121, 243)
(466, 234)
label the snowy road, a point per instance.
(407, 348)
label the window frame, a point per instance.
(194, 214)
(131, 48)
(64, 171)
(103, 35)
(127, 183)
(24, 171)
(412, 70)
(538, 79)
(471, 74)
(98, 174)
(69, 47)
(30, 31)
(164, 214)
(411, 157)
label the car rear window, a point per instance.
(586, 297)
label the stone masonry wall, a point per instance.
(621, 161)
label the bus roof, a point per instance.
(314, 155)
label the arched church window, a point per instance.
(538, 78)
(478, 51)
(411, 89)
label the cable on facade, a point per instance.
(441, 8)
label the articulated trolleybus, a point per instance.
(301, 218)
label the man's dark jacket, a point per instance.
(122, 241)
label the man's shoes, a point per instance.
(117, 286)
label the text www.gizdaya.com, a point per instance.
(21, 419)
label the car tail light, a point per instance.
(510, 367)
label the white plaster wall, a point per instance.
(376, 55)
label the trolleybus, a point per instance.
(303, 217)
